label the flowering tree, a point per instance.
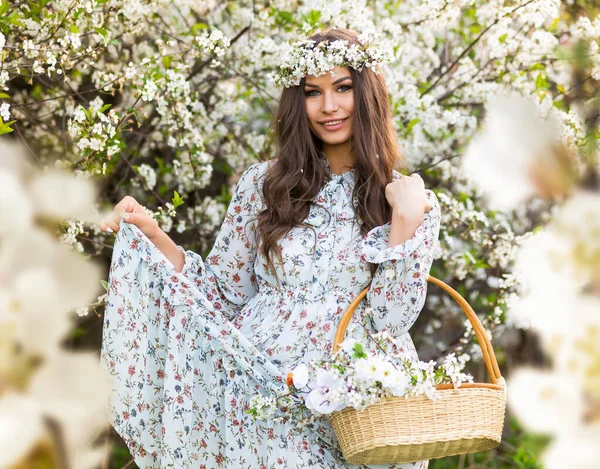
(559, 265)
(52, 400)
(163, 100)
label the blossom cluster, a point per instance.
(43, 284)
(94, 130)
(367, 368)
(558, 269)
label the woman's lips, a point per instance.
(334, 127)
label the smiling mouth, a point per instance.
(333, 123)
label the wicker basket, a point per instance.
(409, 429)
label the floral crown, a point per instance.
(306, 57)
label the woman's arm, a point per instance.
(399, 287)
(227, 276)
(403, 228)
(170, 250)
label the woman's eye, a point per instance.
(343, 88)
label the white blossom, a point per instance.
(514, 144)
(21, 426)
(5, 111)
(148, 174)
(300, 376)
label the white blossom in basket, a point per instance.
(300, 376)
(327, 391)
(398, 384)
(353, 378)
(371, 369)
(322, 401)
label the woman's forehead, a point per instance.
(327, 78)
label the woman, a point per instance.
(189, 340)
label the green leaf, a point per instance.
(199, 27)
(470, 256)
(358, 351)
(286, 16)
(103, 32)
(166, 60)
(423, 86)
(79, 332)
(540, 82)
(177, 200)
(412, 123)
(36, 92)
(313, 17)
(12, 19)
(5, 128)
(470, 12)
(463, 196)
(502, 39)
(163, 189)
(542, 95)
(4, 96)
(104, 284)
(537, 229)
(475, 28)
(74, 29)
(104, 108)
(4, 7)
(114, 42)
(554, 24)
(160, 162)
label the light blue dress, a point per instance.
(187, 350)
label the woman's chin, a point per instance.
(334, 140)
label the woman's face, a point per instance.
(330, 100)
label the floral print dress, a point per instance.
(187, 350)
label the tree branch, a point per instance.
(470, 46)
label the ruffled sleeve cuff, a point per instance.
(375, 244)
(193, 266)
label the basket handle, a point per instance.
(484, 342)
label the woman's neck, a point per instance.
(340, 157)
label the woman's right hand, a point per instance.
(407, 196)
(130, 211)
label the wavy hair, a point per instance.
(297, 175)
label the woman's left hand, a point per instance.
(407, 197)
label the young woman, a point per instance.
(189, 340)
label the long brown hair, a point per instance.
(297, 176)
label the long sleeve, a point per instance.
(399, 286)
(227, 276)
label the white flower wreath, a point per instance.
(306, 57)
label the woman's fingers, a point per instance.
(418, 177)
(109, 225)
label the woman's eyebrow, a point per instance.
(339, 80)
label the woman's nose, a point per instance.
(330, 103)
